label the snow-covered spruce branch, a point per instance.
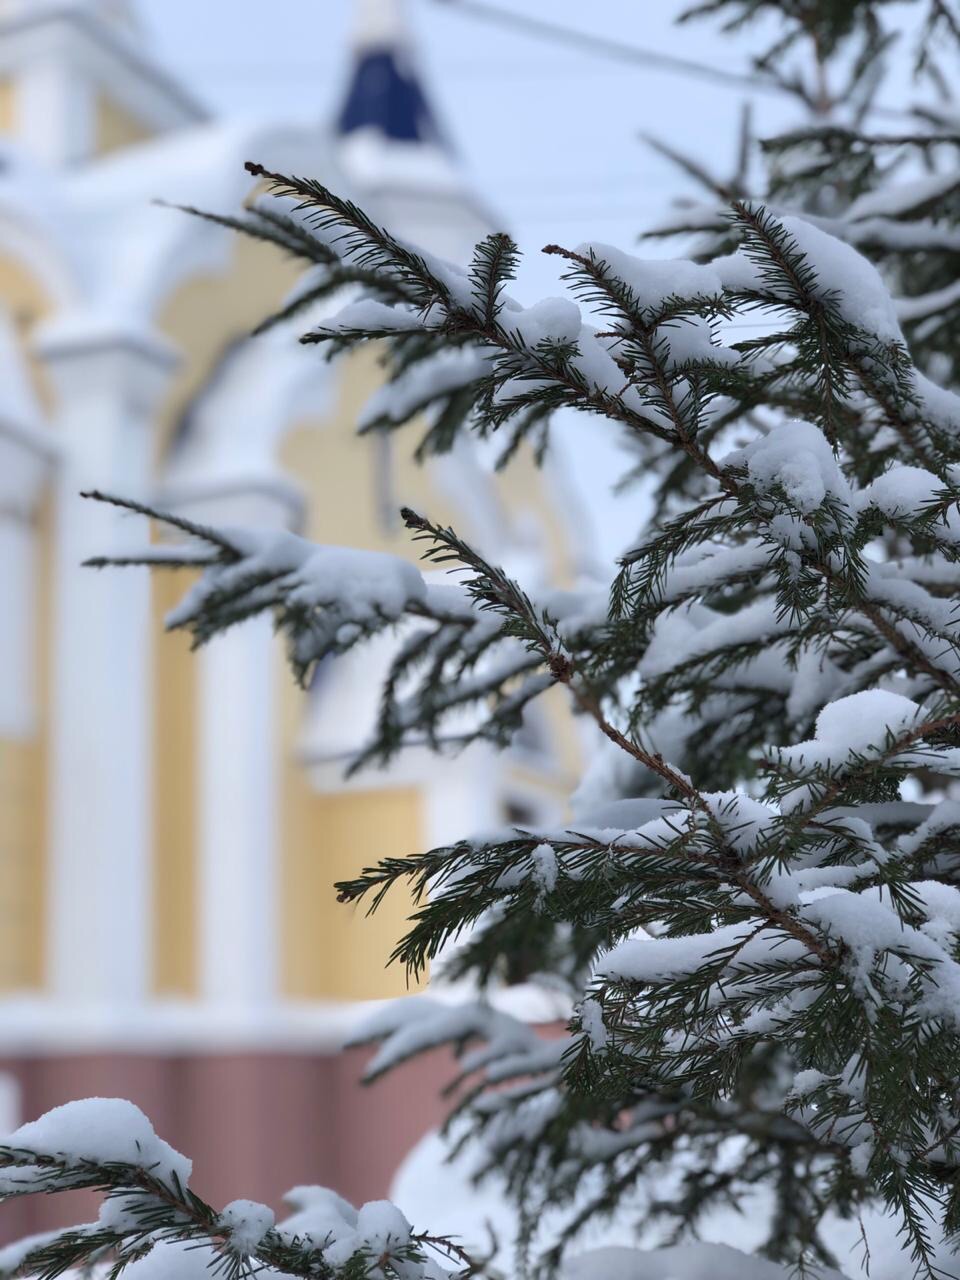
(757, 914)
(540, 358)
(108, 1146)
(516, 1110)
(478, 647)
(769, 270)
(693, 1005)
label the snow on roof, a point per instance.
(379, 24)
(373, 159)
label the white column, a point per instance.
(238, 820)
(238, 781)
(55, 109)
(99, 924)
(18, 591)
(25, 459)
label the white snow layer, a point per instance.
(698, 1261)
(111, 1131)
(104, 1131)
(797, 456)
(861, 723)
(246, 1222)
(377, 1230)
(653, 280)
(361, 584)
(862, 296)
(850, 279)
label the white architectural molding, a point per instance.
(143, 253)
(100, 769)
(63, 56)
(30, 236)
(27, 452)
(259, 389)
(25, 461)
(17, 629)
(110, 261)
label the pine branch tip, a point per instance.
(412, 520)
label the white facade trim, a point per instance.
(18, 639)
(40, 254)
(176, 1027)
(239, 859)
(79, 56)
(99, 927)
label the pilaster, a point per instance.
(108, 385)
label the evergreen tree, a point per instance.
(756, 908)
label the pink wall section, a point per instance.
(255, 1124)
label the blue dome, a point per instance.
(386, 96)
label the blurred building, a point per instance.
(171, 824)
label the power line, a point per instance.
(603, 46)
(585, 41)
(283, 69)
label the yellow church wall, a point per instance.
(339, 470)
(21, 847)
(175, 887)
(24, 762)
(353, 488)
(332, 950)
(207, 312)
(8, 106)
(23, 805)
(114, 127)
(524, 487)
(22, 294)
(26, 302)
(346, 506)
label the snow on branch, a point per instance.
(759, 935)
(152, 1225)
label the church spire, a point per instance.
(385, 93)
(392, 152)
